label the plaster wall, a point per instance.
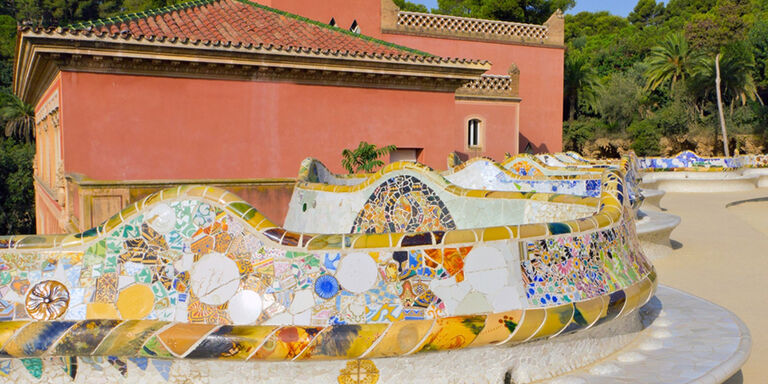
(541, 68)
(125, 127)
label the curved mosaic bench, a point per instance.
(758, 166)
(196, 273)
(688, 172)
(529, 165)
(484, 173)
(653, 229)
(652, 198)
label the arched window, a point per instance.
(473, 133)
(332, 23)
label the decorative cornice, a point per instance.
(551, 33)
(86, 182)
(49, 107)
(44, 52)
(491, 88)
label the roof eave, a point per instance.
(34, 47)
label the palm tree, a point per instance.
(365, 157)
(19, 118)
(673, 60)
(581, 84)
(737, 83)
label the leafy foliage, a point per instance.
(411, 7)
(669, 48)
(364, 158)
(672, 61)
(17, 208)
(19, 118)
(581, 86)
(524, 11)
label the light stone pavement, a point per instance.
(722, 256)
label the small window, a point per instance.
(332, 23)
(473, 133)
(355, 27)
(405, 154)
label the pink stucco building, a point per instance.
(230, 91)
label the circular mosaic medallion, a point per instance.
(47, 300)
(357, 272)
(245, 307)
(326, 286)
(135, 301)
(214, 279)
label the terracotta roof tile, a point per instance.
(242, 22)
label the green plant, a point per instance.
(645, 138)
(581, 85)
(17, 194)
(19, 118)
(365, 157)
(672, 60)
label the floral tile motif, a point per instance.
(403, 204)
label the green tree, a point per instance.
(17, 196)
(523, 11)
(581, 85)
(19, 118)
(737, 84)
(672, 60)
(622, 99)
(720, 26)
(758, 40)
(411, 7)
(646, 12)
(364, 158)
(645, 138)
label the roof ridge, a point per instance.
(334, 28)
(199, 3)
(139, 15)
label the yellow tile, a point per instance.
(635, 294)
(496, 233)
(532, 230)
(498, 328)
(371, 241)
(401, 338)
(359, 339)
(531, 322)
(557, 319)
(453, 333)
(591, 310)
(602, 220)
(196, 191)
(8, 329)
(180, 337)
(135, 301)
(152, 199)
(459, 237)
(586, 224)
(101, 311)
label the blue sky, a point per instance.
(617, 7)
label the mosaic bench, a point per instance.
(193, 285)
(688, 172)
(653, 229)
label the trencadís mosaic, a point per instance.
(196, 273)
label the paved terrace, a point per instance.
(722, 255)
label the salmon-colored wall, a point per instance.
(541, 68)
(366, 12)
(541, 82)
(121, 127)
